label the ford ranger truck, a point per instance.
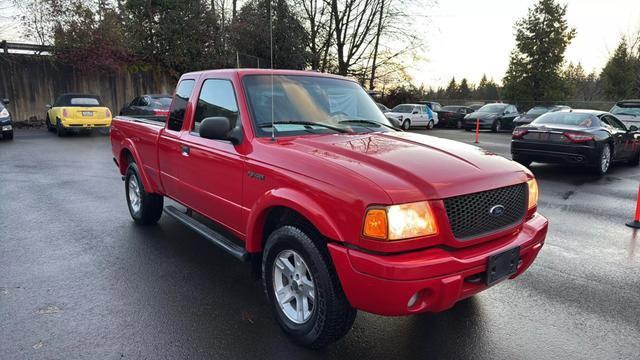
(304, 178)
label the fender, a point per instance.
(127, 144)
(295, 200)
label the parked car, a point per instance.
(476, 106)
(628, 111)
(536, 111)
(453, 115)
(411, 115)
(333, 209)
(77, 112)
(6, 124)
(152, 106)
(496, 117)
(583, 137)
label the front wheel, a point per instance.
(303, 288)
(145, 208)
(497, 126)
(406, 124)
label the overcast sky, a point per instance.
(470, 37)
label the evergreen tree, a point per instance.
(618, 74)
(534, 72)
(463, 90)
(452, 89)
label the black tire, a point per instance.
(597, 168)
(7, 135)
(49, 125)
(150, 208)
(459, 124)
(430, 125)
(496, 127)
(60, 129)
(332, 315)
(406, 124)
(635, 160)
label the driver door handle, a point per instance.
(185, 150)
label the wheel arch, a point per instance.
(280, 204)
(128, 153)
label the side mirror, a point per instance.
(219, 128)
(633, 128)
(5, 101)
(49, 106)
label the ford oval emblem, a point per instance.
(497, 210)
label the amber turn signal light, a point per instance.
(375, 224)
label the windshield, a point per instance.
(632, 110)
(300, 102)
(493, 108)
(538, 110)
(160, 103)
(567, 118)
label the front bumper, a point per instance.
(384, 284)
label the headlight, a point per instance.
(533, 193)
(399, 222)
(4, 113)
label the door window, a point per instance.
(614, 122)
(180, 100)
(217, 98)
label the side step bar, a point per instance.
(208, 233)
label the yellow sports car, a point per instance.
(77, 112)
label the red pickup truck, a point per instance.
(302, 176)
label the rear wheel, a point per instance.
(406, 124)
(145, 208)
(49, 125)
(303, 288)
(604, 161)
(60, 129)
(430, 125)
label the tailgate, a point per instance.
(88, 113)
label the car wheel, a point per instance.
(60, 129)
(406, 124)
(496, 127)
(430, 125)
(459, 124)
(635, 161)
(303, 288)
(7, 135)
(145, 208)
(604, 161)
(49, 125)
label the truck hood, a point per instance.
(413, 167)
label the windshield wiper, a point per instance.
(363, 121)
(307, 123)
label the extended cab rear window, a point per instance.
(180, 100)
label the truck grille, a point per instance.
(470, 215)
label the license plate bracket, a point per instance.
(501, 266)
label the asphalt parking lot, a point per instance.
(79, 280)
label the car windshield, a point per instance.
(567, 118)
(493, 108)
(303, 104)
(403, 109)
(626, 109)
(160, 103)
(538, 110)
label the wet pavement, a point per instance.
(79, 280)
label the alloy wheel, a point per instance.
(294, 287)
(134, 194)
(605, 159)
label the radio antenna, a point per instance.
(273, 129)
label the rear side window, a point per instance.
(183, 92)
(217, 98)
